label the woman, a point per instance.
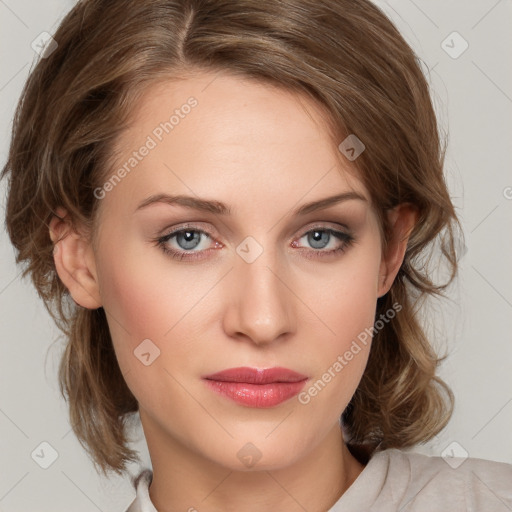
(240, 198)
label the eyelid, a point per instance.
(196, 226)
(326, 225)
(341, 232)
(193, 226)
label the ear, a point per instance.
(74, 261)
(402, 219)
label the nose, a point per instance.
(260, 303)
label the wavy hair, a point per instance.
(350, 59)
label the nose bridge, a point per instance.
(261, 301)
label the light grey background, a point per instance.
(473, 98)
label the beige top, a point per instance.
(394, 480)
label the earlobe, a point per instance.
(402, 220)
(74, 261)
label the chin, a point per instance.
(260, 454)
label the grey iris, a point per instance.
(317, 238)
(190, 239)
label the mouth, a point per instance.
(257, 388)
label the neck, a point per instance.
(186, 480)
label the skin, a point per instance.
(264, 152)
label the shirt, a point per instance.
(394, 480)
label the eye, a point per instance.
(186, 243)
(190, 243)
(325, 242)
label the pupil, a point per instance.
(319, 239)
(188, 239)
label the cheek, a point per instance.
(141, 305)
(152, 301)
(348, 300)
(347, 313)
(133, 306)
(131, 301)
(164, 302)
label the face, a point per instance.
(246, 277)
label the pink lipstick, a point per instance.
(257, 388)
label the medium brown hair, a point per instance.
(346, 56)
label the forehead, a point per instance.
(221, 93)
(227, 111)
(227, 137)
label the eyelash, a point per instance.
(161, 242)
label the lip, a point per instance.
(255, 387)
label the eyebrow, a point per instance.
(220, 208)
